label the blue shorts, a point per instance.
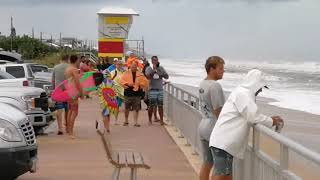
(61, 105)
(155, 97)
(222, 162)
(105, 112)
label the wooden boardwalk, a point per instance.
(62, 158)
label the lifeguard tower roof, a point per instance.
(117, 10)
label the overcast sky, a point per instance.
(236, 29)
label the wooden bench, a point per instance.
(122, 159)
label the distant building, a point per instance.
(70, 42)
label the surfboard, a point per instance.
(67, 90)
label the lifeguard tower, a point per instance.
(113, 29)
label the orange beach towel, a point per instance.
(141, 80)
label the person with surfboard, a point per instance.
(72, 74)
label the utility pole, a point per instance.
(11, 33)
(60, 40)
(143, 46)
(40, 36)
(32, 33)
(51, 40)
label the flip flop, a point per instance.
(137, 125)
(163, 124)
(125, 124)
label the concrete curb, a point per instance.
(194, 160)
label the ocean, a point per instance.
(293, 85)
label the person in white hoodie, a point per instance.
(229, 137)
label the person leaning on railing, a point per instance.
(229, 137)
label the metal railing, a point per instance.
(92, 57)
(182, 111)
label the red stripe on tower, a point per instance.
(110, 47)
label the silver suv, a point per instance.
(18, 144)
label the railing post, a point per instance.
(197, 103)
(177, 93)
(189, 99)
(182, 95)
(255, 148)
(284, 160)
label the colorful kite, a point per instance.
(108, 98)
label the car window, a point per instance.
(30, 74)
(4, 75)
(36, 68)
(16, 71)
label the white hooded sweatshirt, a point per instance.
(238, 114)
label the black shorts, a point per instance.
(132, 103)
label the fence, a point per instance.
(182, 110)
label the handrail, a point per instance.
(294, 146)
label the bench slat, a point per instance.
(130, 160)
(115, 157)
(122, 158)
(138, 158)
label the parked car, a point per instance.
(38, 67)
(32, 101)
(19, 71)
(42, 75)
(7, 80)
(18, 145)
(25, 72)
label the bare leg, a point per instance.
(68, 122)
(59, 121)
(65, 116)
(74, 113)
(116, 119)
(205, 171)
(106, 122)
(155, 113)
(136, 114)
(150, 111)
(161, 114)
(126, 116)
(71, 124)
